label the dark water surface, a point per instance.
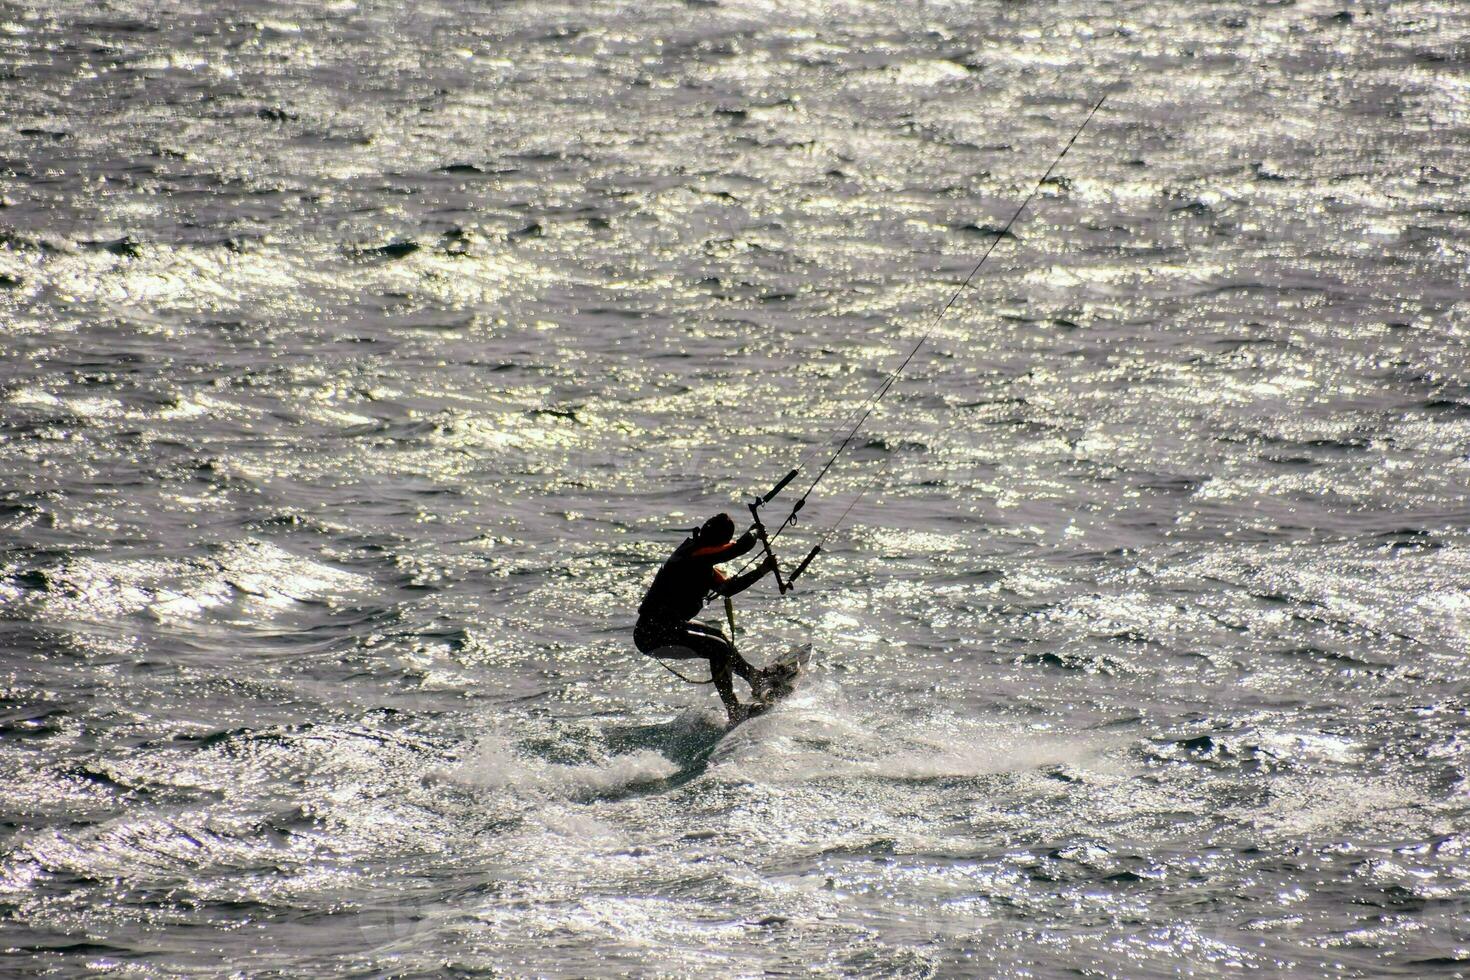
(357, 357)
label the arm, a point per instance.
(734, 586)
(724, 552)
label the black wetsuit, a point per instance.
(665, 628)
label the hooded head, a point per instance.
(716, 530)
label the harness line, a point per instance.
(687, 680)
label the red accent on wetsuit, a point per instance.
(717, 553)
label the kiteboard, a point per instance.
(778, 679)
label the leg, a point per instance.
(737, 663)
(719, 670)
(680, 641)
(709, 642)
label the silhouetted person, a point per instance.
(665, 628)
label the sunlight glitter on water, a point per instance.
(345, 417)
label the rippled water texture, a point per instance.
(359, 358)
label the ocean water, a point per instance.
(358, 361)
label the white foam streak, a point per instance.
(495, 765)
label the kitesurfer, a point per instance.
(665, 627)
